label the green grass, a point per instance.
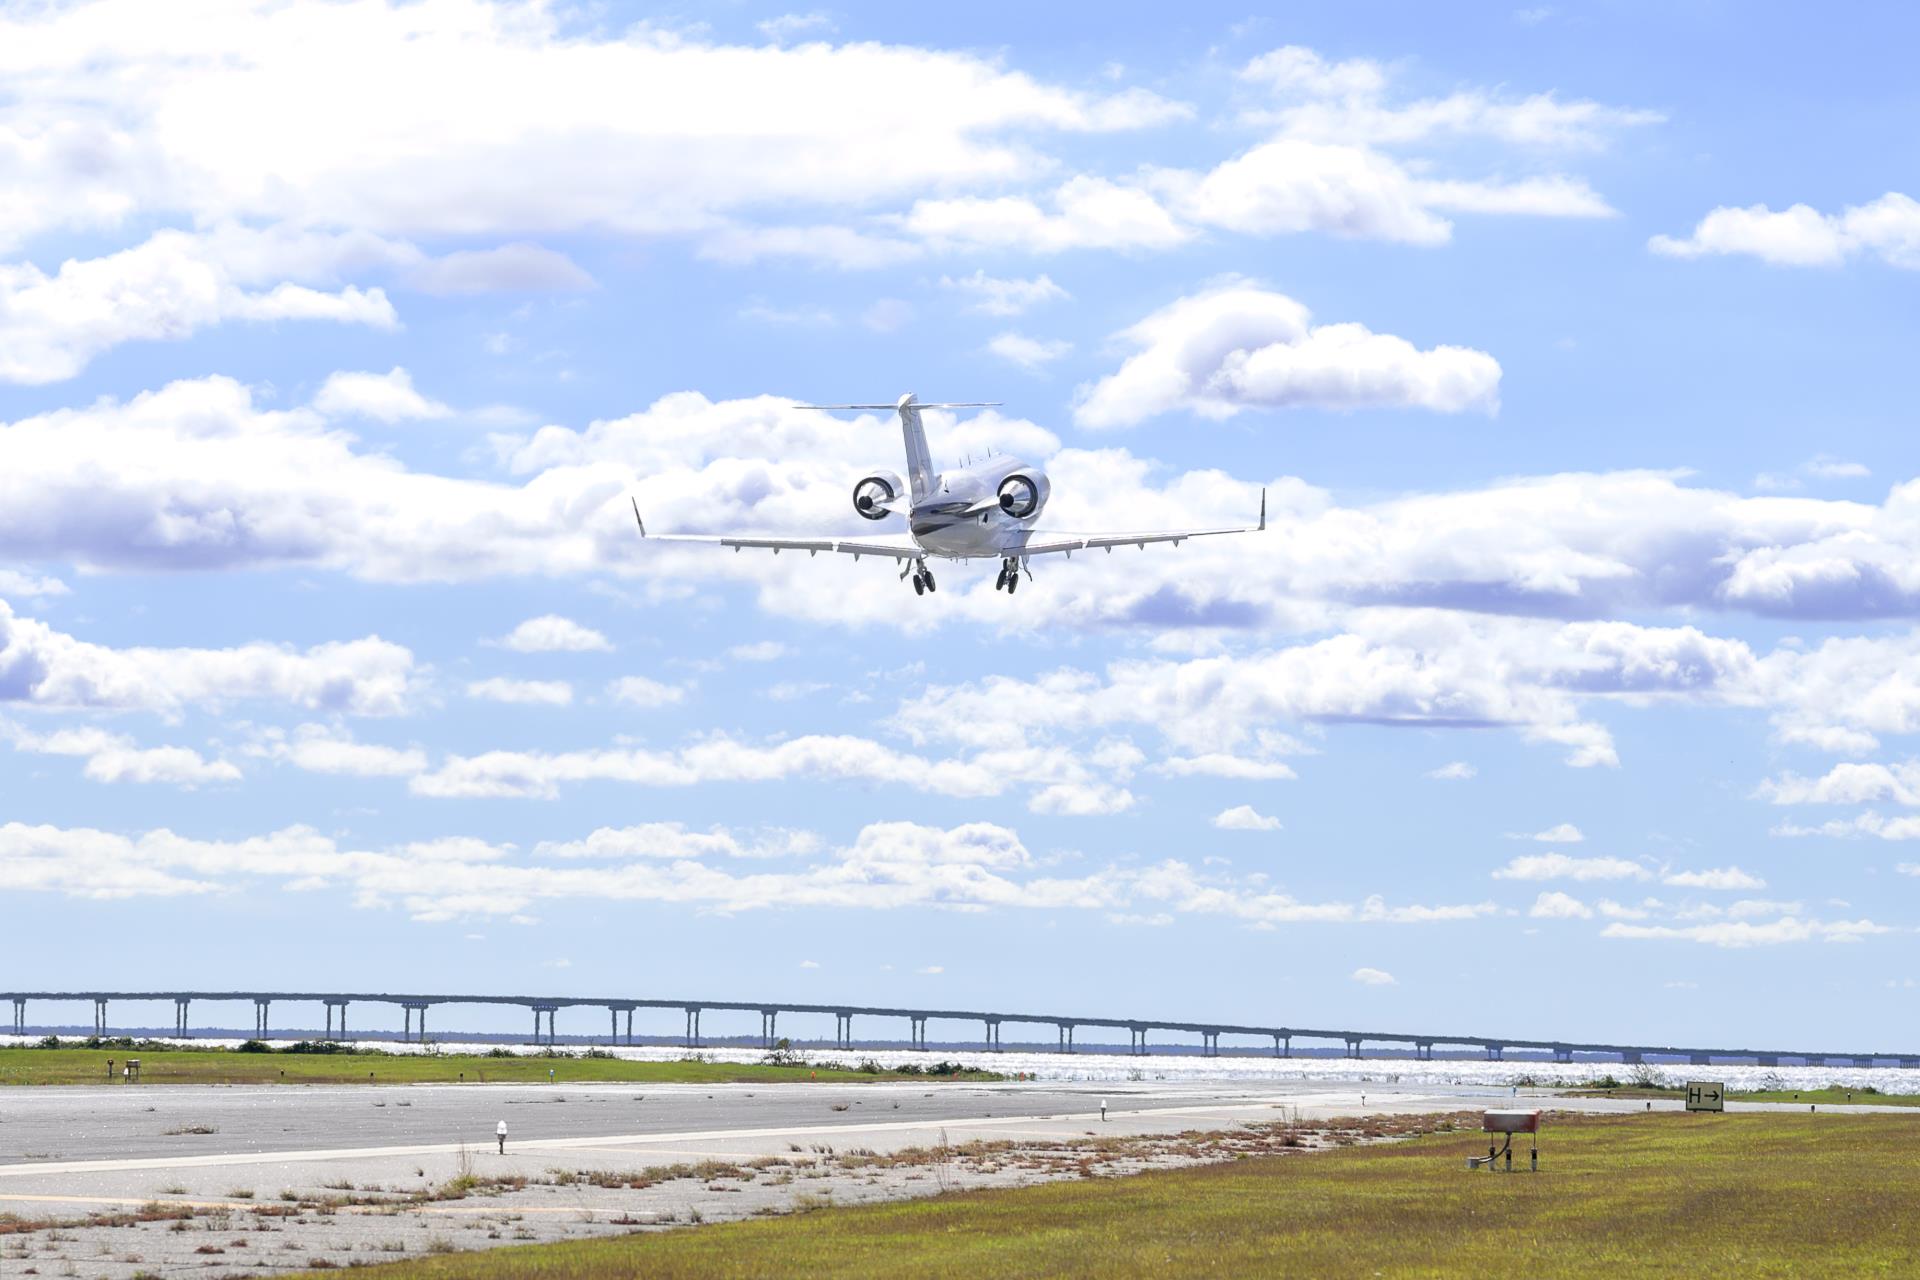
(1809, 1097)
(1654, 1196)
(32, 1066)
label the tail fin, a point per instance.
(914, 436)
(920, 473)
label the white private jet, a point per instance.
(985, 510)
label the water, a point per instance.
(1113, 1068)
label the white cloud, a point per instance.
(1565, 833)
(1214, 764)
(1454, 771)
(1554, 905)
(1848, 783)
(552, 693)
(1028, 353)
(385, 397)
(639, 691)
(1373, 977)
(323, 749)
(932, 969)
(1245, 818)
(1746, 933)
(551, 633)
(1868, 824)
(116, 758)
(167, 288)
(639, 130)
(1559, 866)
(16, 582)
(888, 866)
(1801, 236)
(1827, 467)
(1347, 101)
(510, 268)
(47, 668)
(672, 841)
(789, 26)
(1237, 346)
(1714, 878)
(996, 296)
(758, 651)
(1082, 213)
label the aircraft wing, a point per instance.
(897, 546)
(1039, 542)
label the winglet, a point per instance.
(1263, 511)
(643, 524)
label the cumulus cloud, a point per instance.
(1554, 905)
(639, 691)
(1373, 977)
(214, 121)
(1027, 353)
(1737, 934)
(1564, 833)
(1559, 866)
(167, 288)
(319, 748)
(1714, 878)
(42, 667)
(510, 268)
(112, 757)
(551, 693)
(384, 397)
(1801, 236)
(1351, 100)
(198, 475)
(551, 633)
(887, 866)
(1245, 817)
(1238, 346)
(1004, 296)
(1454, 771)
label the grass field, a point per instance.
(1810, 1097)
(1660, 1195)
(221, 1066)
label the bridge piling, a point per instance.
(19, 1016)
(180, 1004)
(99, 1016)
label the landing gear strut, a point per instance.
(1009, 576)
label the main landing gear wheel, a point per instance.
(919, 585)
(926, 575)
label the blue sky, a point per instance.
(1576, 674)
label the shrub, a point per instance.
(253, 1046)
(315, 1046)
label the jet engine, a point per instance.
(875, 496)
(1023, 494)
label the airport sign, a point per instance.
(1706, 1095)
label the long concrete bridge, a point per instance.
(545, 1011)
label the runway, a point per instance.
(272, 1158)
